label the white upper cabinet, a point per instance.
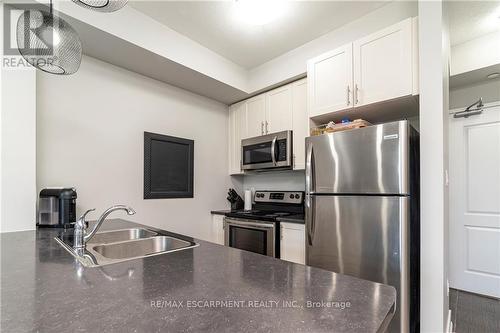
(237, 131)
(383, 64)
(256, 116)
(330, 81)
(378, 67)
(300, 123)
(279, 110)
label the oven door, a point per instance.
(258, 237)
(267, 151)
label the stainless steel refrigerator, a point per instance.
(362, 210)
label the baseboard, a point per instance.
(449, 324)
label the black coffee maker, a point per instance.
(57, 207)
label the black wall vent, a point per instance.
(168, 167)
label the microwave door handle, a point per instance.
(273, 150)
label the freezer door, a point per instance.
(370, 160)
(366, 237)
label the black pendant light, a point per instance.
(102, 5)
(53, 47)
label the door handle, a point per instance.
(348, 95)
(310, 218)
(310, 169)
(261, 128)
(273, 150)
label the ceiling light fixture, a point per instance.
(102, 5)
(493, 76)
(258, 12)
(53, 47)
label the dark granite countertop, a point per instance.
(45, 289)
(220, 212)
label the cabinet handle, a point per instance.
(261, 128)
(267, 127)
(356, 93)
(348, 95)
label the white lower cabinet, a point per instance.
(292, 245)
(218, 229)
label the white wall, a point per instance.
(433, 72)
(17, 147)
(293, 63)
(279, 180)
(90, 135)
(464, 96)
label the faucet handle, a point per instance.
(81, 220)
(85, 214)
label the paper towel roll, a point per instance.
(248, 200)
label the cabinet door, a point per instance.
(218, 229)
(300, 122)
(237, 131)
(256, 116)
(330, 81)
(383, 64)
(279, 110)
(293, 242)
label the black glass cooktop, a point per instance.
(258, 215)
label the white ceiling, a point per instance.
(472, 19)
(213, 25)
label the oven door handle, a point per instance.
(273, 150)
(250, 224)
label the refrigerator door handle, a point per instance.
(310, 223)
(309, 169)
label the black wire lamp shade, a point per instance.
(102, 5)
(53, 46)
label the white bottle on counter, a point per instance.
(248, 200)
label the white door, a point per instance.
(300, 123)
(474, 177)
(279, 110)
(330, 81)
(383, 64)
(256, 116)
(293, 242)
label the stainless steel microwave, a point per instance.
(266, 152)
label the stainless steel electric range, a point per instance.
(258, 230)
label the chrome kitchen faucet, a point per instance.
(81, 236)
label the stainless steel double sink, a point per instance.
(108, 247)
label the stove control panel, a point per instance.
(288, 197)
